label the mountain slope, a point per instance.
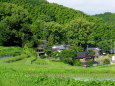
(41, 9)
(56, 24)
(107, 17)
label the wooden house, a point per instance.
(84, 57)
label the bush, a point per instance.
(77, 62)
(30, 52)
(48, 50)
(102, 59)
(90, 63)
(106, 61)
(67, 56)
(55, 54)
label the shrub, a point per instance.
(90, 63)
(77, 62)
(30, 52)
(67, 56)
(55, 54)
(102, 59)
(106, 61)
(48, 50)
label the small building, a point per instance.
(84, 57)
(59, 48)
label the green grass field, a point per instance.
(45, 72)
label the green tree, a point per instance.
(79, 32)
(54, 33)
(14, 25)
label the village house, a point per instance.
(84, 57)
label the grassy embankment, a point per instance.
(44, 72)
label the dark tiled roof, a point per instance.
(84, 54)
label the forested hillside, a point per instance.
(107, 17)
(27, 22)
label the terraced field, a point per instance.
(45, 72)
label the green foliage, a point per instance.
(91, 52)
(90, 63)
(30, 52)
(17, 53)
(79, 32)
(53, 32)
(48, 50)
(108, 17)
(43, 56)
(10, 50)
(106, 61)
(14, 25)
(77, 62)
(46, 72)
(16, 58)
(55, 54)
(104, 58)
(25, 22)
(50, 31)
(108, 36)
(23, 76)
(67, 56)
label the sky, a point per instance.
(91, 7)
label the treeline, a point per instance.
(108, 17)
(27, 22)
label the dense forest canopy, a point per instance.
(27, 22)
(14, 25)
(107, 17)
